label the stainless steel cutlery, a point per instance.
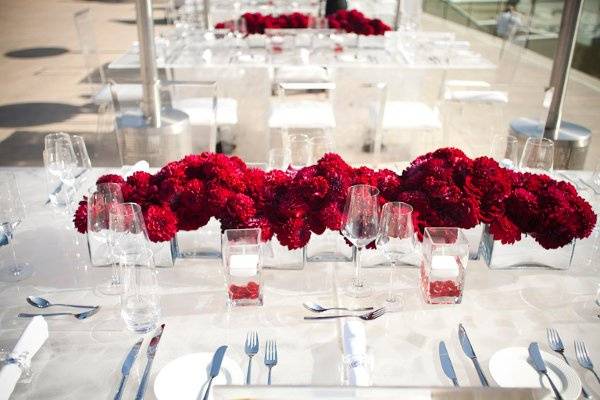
(270, 357)
(251, 348)
(468, 350)
(540, 366)
(40, 302)
(215, 367)
(365, 317)
(127, 364)
(81, 315)
(314, 307)
(583, 358)
(447, 363)
(150, 353)
(556, 344)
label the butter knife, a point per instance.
(447, 363)
(127, 364)
(215, 367)
(151, 352)
(465, 343)
(540, 366)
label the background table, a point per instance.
(82, 359)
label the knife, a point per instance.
(127, 364)
(540, 366)
(447, 363)
(215, 367)
(150, 353)
(465, 343)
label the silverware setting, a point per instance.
(40, 302)
(126, 368)
(150, 353)
(583, 358)
(251, 348)
(314, 307)
(446, 362)
(365, 317)
(539, 365)
(556, 345)
(465, 343)
(215, 367)
(81, 315)
(270, 357)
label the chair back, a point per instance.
(87, 44)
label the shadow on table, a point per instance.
(36, 52)
(24, 148)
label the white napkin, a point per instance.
(141, 165)
(355, 352)
(31, 341)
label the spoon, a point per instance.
(314, 307)
(40, 302)
(81, 315)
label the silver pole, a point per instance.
(397, 15)
(205, 14)
(149, 74)
(562, 63)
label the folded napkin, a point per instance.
(355, 353)
(30, 342)
(128, 170)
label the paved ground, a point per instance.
(44, 89)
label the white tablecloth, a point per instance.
(82, 359)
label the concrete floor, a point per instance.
(44, 89)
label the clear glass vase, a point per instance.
(204, 242)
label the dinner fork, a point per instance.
(251, 348)
(584, 358)
(366, 317)
(270, 357)
(556, 344)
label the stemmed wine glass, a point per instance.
(538, 156)
(82, 159)
(128, 235)
(359, 225)
(12, 213)
(60, 162)
(397, 239)
(504, 150)
(100, 201)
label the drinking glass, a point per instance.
(301, 151)
(504, 150)
(100, 200)
(12, 213)
(140, 301)
(241, 249)
(321, 145)
(396, 238)
(279, 159)
(359, 225)
(60, 162)
(443, 268)
(538, 156)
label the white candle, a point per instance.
(444, 267)
(243, 265)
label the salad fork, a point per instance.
(583, 358)
(251, 348)
(365, 317)
(270, 357)
(556, 344)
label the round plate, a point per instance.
(186, 377)
(510, 368)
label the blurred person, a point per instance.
(509, 20)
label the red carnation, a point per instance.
(161, 223)
(80, 218)
(110, 178)
(294, 233)
(240, 208)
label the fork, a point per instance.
(584, 358)
(365, 317)
(251, 348)
(556, 344)
(270, 357)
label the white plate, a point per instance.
(509, 368)
(186, 377)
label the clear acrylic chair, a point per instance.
(96, 76)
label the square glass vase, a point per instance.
(525, 253)
(242, 262)
(443, 266)
(204, 242)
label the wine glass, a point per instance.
(359, 225)
(504, 150)
(301, 151)
(82, 159)
(397, 239)
(279, 159)
(12, 213)
(100, 201)
(128, 233)
(538, 156)
(60, 162)
(321, 145)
